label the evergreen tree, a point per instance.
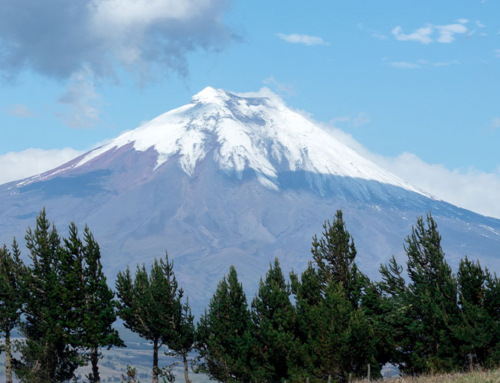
(426, 310)
(49, 353)
(99, 310)
(10, 302)
(474, 330)
(148, 304)
(386, 304)
(274, 321)
(491, 304)
(334, 254)
(184, 337)
(335, 338)
(224, 333)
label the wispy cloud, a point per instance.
(357, 121)
(378, 35)
(426, 35)
(280, 87)
(20, 110)
(421, 35)
(373, 32)
(422, 64)
(497, 53)
(81, 102)
(295, 38)
(479, 24)
(496, 123)
(404, 65)
(468, 188)
(18, 165)
(447, 32)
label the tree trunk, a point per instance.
(186, 372)
(155, 361)
(8, 358)
(94, 358)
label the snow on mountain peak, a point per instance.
(240, 132)
(210, 95)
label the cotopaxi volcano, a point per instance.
(232, 179)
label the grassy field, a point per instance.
(472, 377)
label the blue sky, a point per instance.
(412, 85)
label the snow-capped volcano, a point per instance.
(234, 180)
(239, 133)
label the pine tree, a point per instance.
(99, 309)
(10, 303)
(474, 330)
(334, 254)
(183, 341)
(224, 333)
(274, 321)
(49, 353)
(148, 304)
(491, 304)
(385, 303)
(426, 310)
(335, 338)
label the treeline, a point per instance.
(328, 323)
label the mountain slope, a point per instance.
(234, 180)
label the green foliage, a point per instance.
(10, 302)
(274, 321)
(335, 338)
(183, 341)
(50, 352)
(224, 333)
(94, 308)
(150, 305)
(130, 376)
(334, 254)
(11, 268)
(426, 310)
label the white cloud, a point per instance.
(81, 102)
(422, 64)
(280, 87)
(295, 38)
(421, 35)
(378, 35)
(424, 35)
(20, 110)
(18, 165)
(497, 53)
(404, 65)
(468, 188)
(496, 124)
(447, 32)
(360, 120)
(479, 24)
(463, 21)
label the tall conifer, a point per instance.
(334, 254)
(149, 303)
(10, 300)
(49, 353)
(99, 310)
(274, 321)
(426, 309)
(224, 333)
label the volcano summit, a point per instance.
(234, 179)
